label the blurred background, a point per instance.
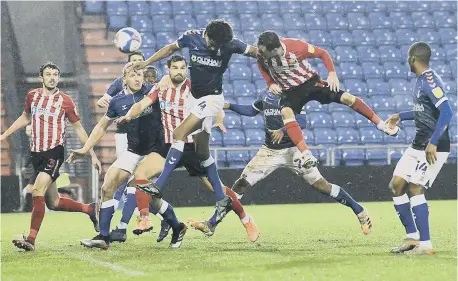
(367, 40)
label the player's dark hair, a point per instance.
(48, 64)
(269, 39)
(151, 69)
(421, 51)
(135, 54)
(175, 58)
(219, 31)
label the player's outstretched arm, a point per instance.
(159, 55)
(135, 110)
(219, 121)
(82, 136)
(252, 51)
(243, 109)
(20, 123)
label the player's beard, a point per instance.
(178, 79)
(50, 88)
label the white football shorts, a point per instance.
(121, 144)
(206, 108)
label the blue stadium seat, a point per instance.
(331, 6)
(396, 154)
(336, 21)
(422, 19)
(255, 137)
(309, 137)
(345, 54)
(384, 37)
(272, 22)
(400, 87)
(372, 70)
(379, 21)
(410, 133)
(203, 19)
(442, 6)
(450, 87)
(447, 35)
(184, 22)
(239, 72)
(163, 23)
(312, 7)
(117, 22)
(148, 52)
(350, 71)
(353, 7)
(222, 159)
(241, 59)
(255, 122)
(347, 136)
(297, 33)
(371, 136)
(383, 103)
(232, 120)
(453, 122)
(160, 8)
(164, 38)
(250, 22)
(244, 88)
(216, 138)
(450, 51)
(182, 7)
(228, 90)
(397, 6)
(406, 36)
(453, 68)
(246, 100)
(377, 156)
(226, 6)
(295, 22)
(260, 83)
(148, 40)
(352, 157)
(428, 35)
(438, 53)
(363, 37)
(291, 7)
(341, 38)
(390, 53)
(442, 69)
(116, 8)
(320, 38)
(368, 54)
(395, 70)
(343, 119)
(94, 7)
(204, 7)
(314, 21)
(238, 158)
(357, 21)
(319, 120)
(356, 87)
(384, 114)
(361, 121)
(337, 107)
(234, 138)
(375, 6)
(453, 134)
(401, 20)
(444, 19)
(232, 18)
(314, 106)
(247, 7)
(404, 102)
(255, 73)
(141, 23)
(138, 7)
(250, 37)
(420, 6)
(302, 120)
(325, 136)
(377, 86)
(269, 7)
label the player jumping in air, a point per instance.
(210, 50)
(174, 105)
(145, 141)
(283, 64)
(421, 162)
(279, 151)
(48, 108)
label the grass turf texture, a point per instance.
(298, 242)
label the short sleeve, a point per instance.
(28, 102)
(111, 110)
(153, 94)
(184, 41)
(258, 104)
(434, 91)
(239, 47)
(115, 87)
(71, 112)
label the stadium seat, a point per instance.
(247, 7)
(447, 35)
(255, 122)
(375, 6)
(94, 7)
(336, 21)
(138, 7)
(230, 99)
(248, 100)
(314, 21)
(453, 134)
(148, 52)
(347, 136)
(148, 40)
(295, 22)
(261, 85)
(450, 88)
(238, 158)
(371, 136)
(309, 137)
(312, 7)
(160, 8)
(350, 71)
(361, 121)
(255, 137)
(400, 87)
(397, 6)
(331, 6)
(442, 69)
(204, 7)
(453, 68)
(444, 19)
(379, 21)
(232, 121)
(165, 38)
(404, 102)
(383, 103)
(438, 53)
(325, 136)
(357, 21)
(377, 156)
(216, 138)
(356, 87)
(239, 72)
(353, 7)
(377, 86)
(116, 8)
(452, 156)
(396, 154)
(405, 37)
(345, 54)
(337, 107)
(255, 73)
(250, 22)
(395, 70)
(163, 23)
(314, 106)
(184, 22)
(203, 19)
(384, 37)
(422, 20)
(117, 22)
(141, 23)
(234, 138)
(221, 160)
(182, 7)
(368, 54)
(244, 88)
(410, 133)
(442, 6)
(384, 114)
(450, 51)
(390, 53)
(342, 38)
(297, 33)
(399, 139)
(352, 157)
(363, 37)
(372, 70)
(343, 119)
(319, 120)
(320, 38)
(228, 89)
(269, 7)
(272, 22)
(401, 20)
(428, 35)
(232, 18)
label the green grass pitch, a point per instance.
(298, 242)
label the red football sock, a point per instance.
(69, 205)
(295, 134)
(38, 213)
(142, 199)
(362, 108)
(236, 205)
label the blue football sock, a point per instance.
(212, 220)
(420, 209)
(173, 157)
(105, 216)
(213, 177)
(341, 196)
(402, 206)
(169, 216)
(152, 210)
(118, 195)
(129, 207)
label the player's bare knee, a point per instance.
(323, 186)
(241, 186)
(347, 99)
(156, 203)
(415, 189)
(396, 187)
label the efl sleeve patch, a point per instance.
(311, 48)
(438, 93)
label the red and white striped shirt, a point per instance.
(292, 69)
(48, 114)
(174, 107)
